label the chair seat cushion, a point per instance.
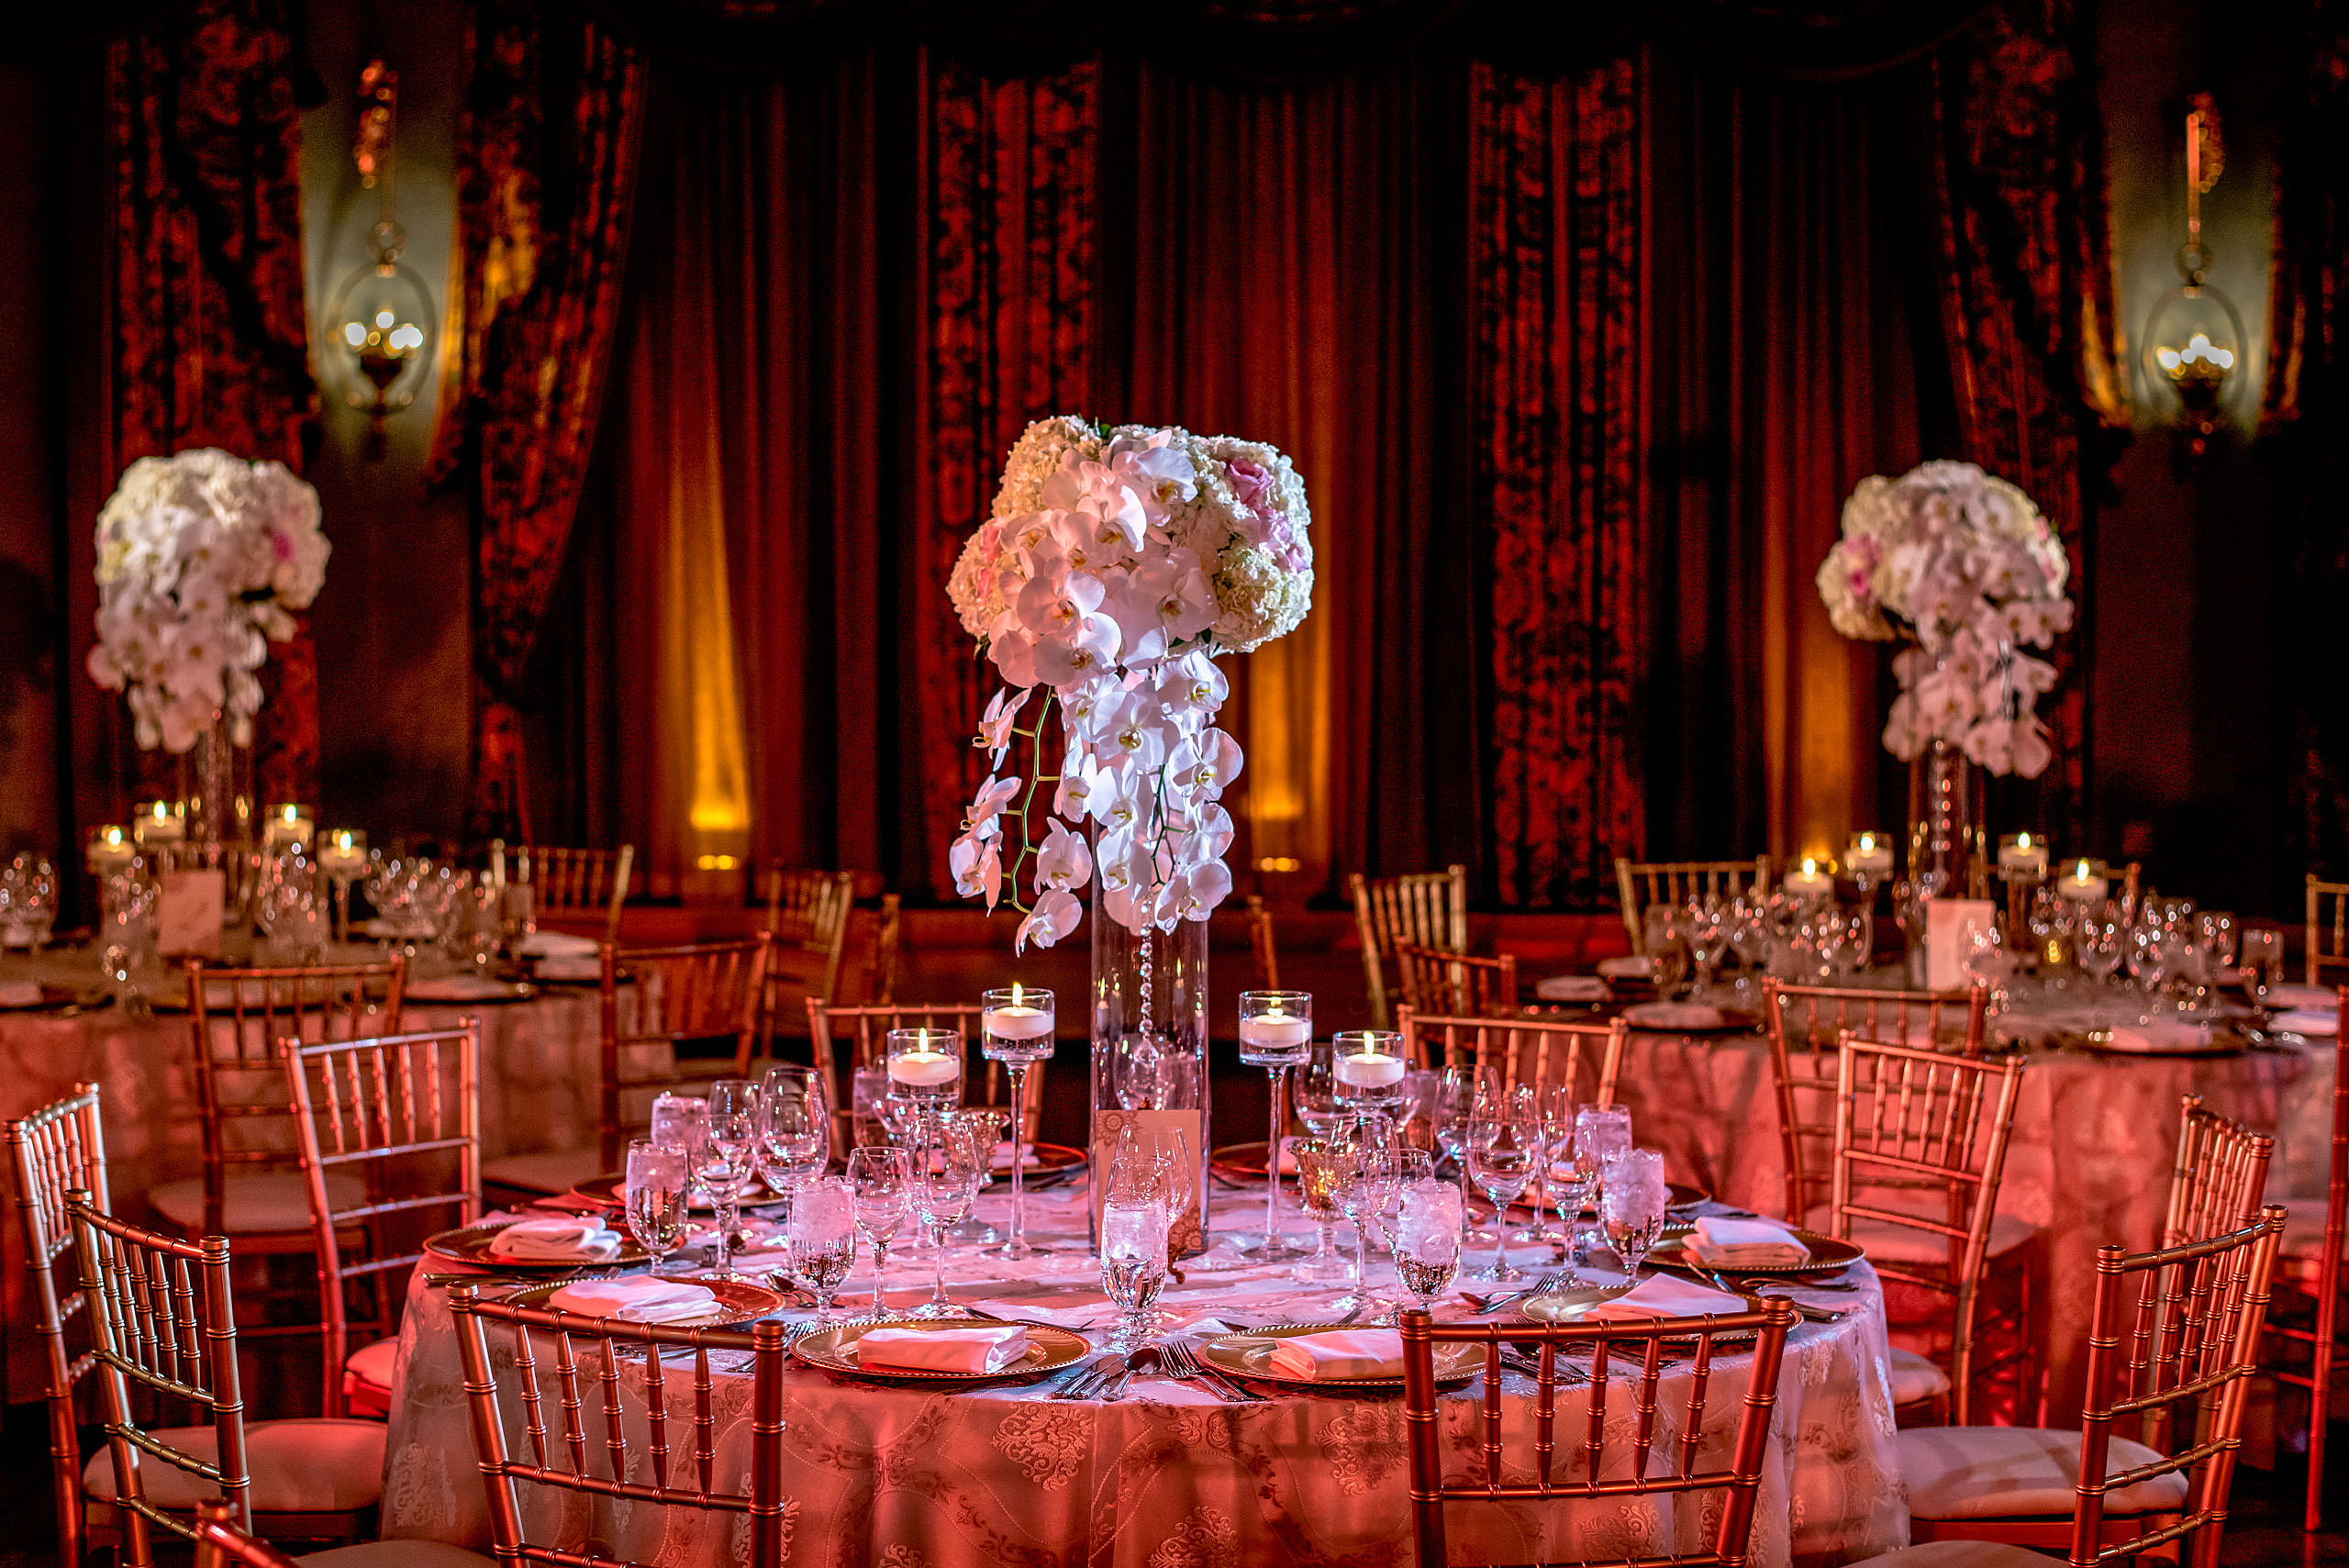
(2304, 1227)
(1947, 1554)
(254, 1204)
(304, 1466)
(1899, 1245)
(2015, 1473)
(547, 1171)
(373, 1364)
(403, 1554)
(1914, 1377)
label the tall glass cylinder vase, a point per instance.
(1945, 835)
(215, 791)
(1149, 1058)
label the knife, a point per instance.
(1092, 1375)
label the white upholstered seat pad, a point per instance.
(1915, 1377)
(373, 1364)
(1952, 1554)
(398, 1554)
(2012, 1472)
(306, 1465)
(257, 1203)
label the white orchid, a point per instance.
(977, 865)
(979, 822)
(1202, 766)
(1055, 915)
(997, 722)
(1062, 862)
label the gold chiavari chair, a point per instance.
(165, 1318)
(2220, 1177)
(567, 881)
(1427, 907)
(1599, 1469)
(2328, 928)
(808, 913)
(1805, 1023)
(1260, 943)
(1639, 884)
(707, 993)
(1920, 1148)
(881, 960)
(2308, 1283)
(1435, 980)
(2172, 1349)
(866, 1031)
(682, 1396)
(59, 1149)
(252, 1186)
(403, 1113)
(1584, 1058)
(220, 1544)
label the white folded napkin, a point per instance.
(1340, 1353)
(19, 993)
(2298, 995)
(1673, 1015)
(1572, 988)
(1002, 1158)
(1626, 966)
(556, 944)
(1745, 1244)
(456, 988)
(1661, 1295)
(989, 1348)
(2158, 1039)
(640, 1299)
(2323, 1021)
(564, 1238)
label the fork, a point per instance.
(1183, 1365)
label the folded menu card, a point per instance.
(1340, 1353)
(642, 1299)
(982, 1349)
(1661, 1295)
(559, 1239)
(1745, 1244)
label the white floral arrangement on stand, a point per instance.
(1961, 562)
(1117, 566)
(203, 557)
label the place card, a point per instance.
(1945, 923)
(187, 913)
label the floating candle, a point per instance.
(2085, 883)
(1275, 1031)
(1369, 1071)
(924, 1069)
(110, 849)
(2022, 854)
(1810, 879)
(160, 823)
(1870, 854)
(1017, 1022)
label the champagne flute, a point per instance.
(1503, 1137)
(1633, 1204)
(820, 1236)
(727, 1155)
(878, 1176)
(1427, 1238)
(657, 1183)
(1277, 1034)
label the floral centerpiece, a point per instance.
(1959, 563)
(1117, 566)
(203, 557)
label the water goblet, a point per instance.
(1428, 1240)
(1600, 1131)
(1015, 1028)
(1133, 1267)
(820, 1240)
(724, 1159)
(947, 1170)
(879, 1177)
(654, 1197)
(794, 1132)
(1276, 1034)
(1632, 1204)
(1504, 1139)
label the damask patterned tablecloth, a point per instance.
(1170, 1477)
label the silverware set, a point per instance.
(1556, 1280)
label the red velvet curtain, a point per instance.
(1559, 263)
(2019, 177)
(545, 175)
(208, 344)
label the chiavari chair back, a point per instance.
(1805, 1023)
(704, 991)
(1260, 944)
(568, 881)
(163, 1319)
(881, 960)
(1920, 1147)
(1639, 884)
(1592, 1456)
(1582, 1059)
(59, 1149)
(1429, 908)
(2308, 1268)
(864, 1030)
(593, 1453)
(220, 1543)
(237, 1017)
(2328, 929)
(2220, 1177)
(808, 916)
(403, 1113)
(1436, 980)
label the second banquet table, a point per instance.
(1170, 1477)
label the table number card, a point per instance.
(1155, 1130)
(1946, 920)
(188, 912)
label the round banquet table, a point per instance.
(1170, 1475)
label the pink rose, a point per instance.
(1251, 483)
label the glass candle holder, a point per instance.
(1276, 1034)
(926, 1068)
(343, 857)
(1366, 1070)
(1016, 1026)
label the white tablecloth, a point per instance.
(916, 1478)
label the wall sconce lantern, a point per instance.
(2194, 339)
(380, 331)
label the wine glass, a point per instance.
(1367, 1068)
(728, 1153)
(1276, 1034)
(1402, 1166)
(1633, 1203)
(2097, 948)
(2263, 961)
(1366, 1177)
(1667, 947)
(1427, 1238)
(1015, 1028)
(657, 1183)
(821, 1237)
(1600, 1131)
(1316, 1091)
(947, 1170)
(1555, 1103)
(794, 1132)
(1318, 1180)
(1708, 926)
(878, 1177)
(1418, 1108)
(1459, 1086)
(2149, 955)
(1749, 934)
(1504, 1140)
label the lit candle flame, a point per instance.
(1015, 993)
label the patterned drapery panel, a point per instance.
(208, 338)
(1557, 241)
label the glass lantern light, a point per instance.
(381, 328)
(2194, 339)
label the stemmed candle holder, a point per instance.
(1367, 1068)
(344, 860)
(924, 1070)
(1277, 1034)
(1015, 1028)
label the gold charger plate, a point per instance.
(739, 1301)
(1572, 1305)
(1248, 1356)
(471, 1245)
(1046, 1162)
(1826, 1255)
(1049, 1350)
